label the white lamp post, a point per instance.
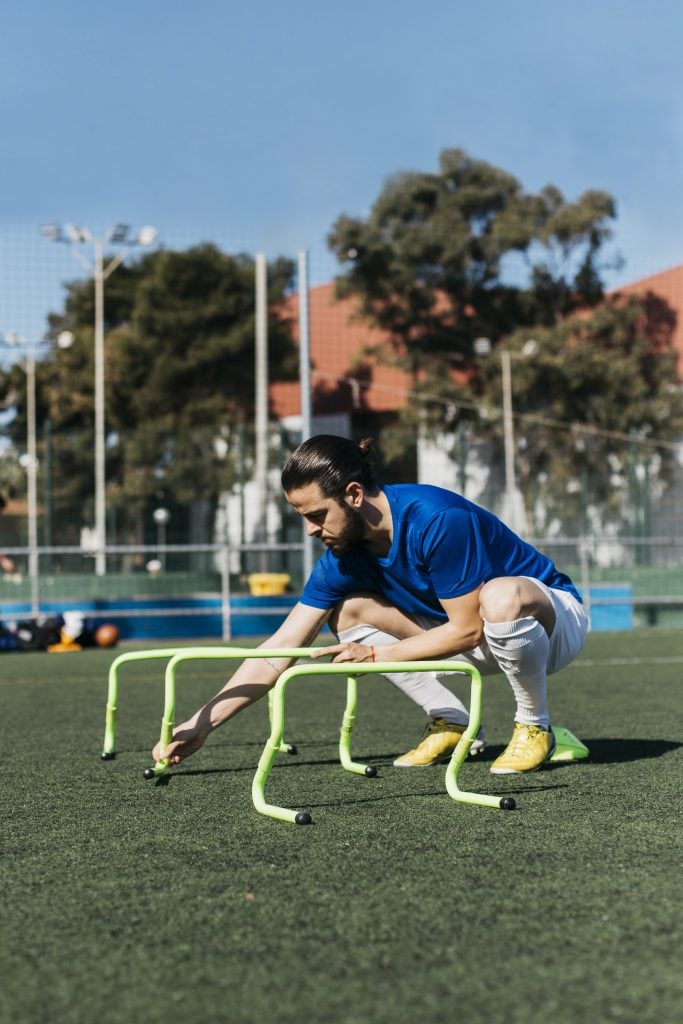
(161, 518)
(31, 461)
(118, 234)
(513, 503)
(261, 403)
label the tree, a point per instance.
(594, 399)
(179, 378)
(430, 265)
(437, 265)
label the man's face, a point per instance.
(338, 526)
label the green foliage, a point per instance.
(589, 404)
(432, 265)
(429, 263)
(179, 356)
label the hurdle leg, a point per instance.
(285, 748)
(346, 731)
(505, 803)
(109, 743)
(167, 721)
(267, 759)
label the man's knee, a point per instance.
(372, 609)
(352, 611)
(513, 597)
(501, 600)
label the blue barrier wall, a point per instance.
(249, 615)
(617, 615)
(254, 616)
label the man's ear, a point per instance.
(354, 495)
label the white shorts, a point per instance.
(566, 640)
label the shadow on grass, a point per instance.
(603, 751)
(615, 751)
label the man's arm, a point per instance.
(462, 632)
(251, 681)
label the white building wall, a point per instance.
(437, 465)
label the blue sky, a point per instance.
(256, 124)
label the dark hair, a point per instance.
(332, 463)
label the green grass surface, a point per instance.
(126, 902)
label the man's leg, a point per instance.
(520, 617)
(369, 619)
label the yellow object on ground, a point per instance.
(268, 584)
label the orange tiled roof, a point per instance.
(342, 376)
(667, 285)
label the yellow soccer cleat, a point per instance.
(441, 739)
(529, 748)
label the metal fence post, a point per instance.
(224, 568)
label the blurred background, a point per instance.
(456, 231)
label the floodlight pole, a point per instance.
(32, 477)
(261, 403)
(75, 235)
(513, 503)
(306, 390)
(508, 429)
(513, 497)
(100, 479)
(29, 368)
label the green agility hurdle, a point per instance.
(161, 653)
(568, 746)
(109, 744)
(352, 670)
(214, 654)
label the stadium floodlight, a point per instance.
(51, 231)
(117, 234)
(147, 235)
(65, 339)
(76, 234)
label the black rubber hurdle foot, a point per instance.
(303, 818)
(371, 771)
(507, 803)
(292, 749)
(148, 773)
(104, 756)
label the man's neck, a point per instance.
(379, 532)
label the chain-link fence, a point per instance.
(196, 591)
(624, 550)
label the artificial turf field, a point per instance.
(132, 902)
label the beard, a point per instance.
(350, 534)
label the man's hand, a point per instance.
(347, 652)
(186, 741)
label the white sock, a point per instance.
(521, 649)
(422, 687)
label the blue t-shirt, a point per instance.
(443, 546)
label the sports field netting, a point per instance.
(131, 901)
